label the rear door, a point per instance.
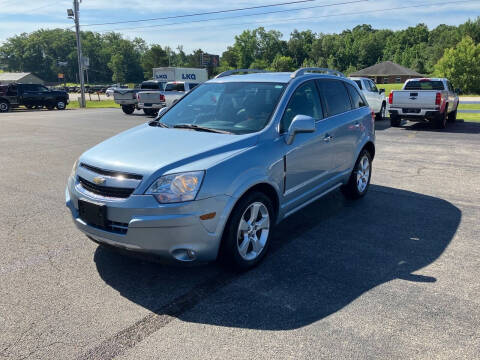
(309, 158)
(345, 119)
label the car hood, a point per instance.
(150, 150)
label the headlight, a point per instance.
(74, 169)
(177, 187)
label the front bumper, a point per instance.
(170, 231)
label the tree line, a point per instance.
(445, 51)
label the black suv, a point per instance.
(32, 96)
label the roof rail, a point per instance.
(302, 71)
(231, 72)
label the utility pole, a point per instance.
(76, 18)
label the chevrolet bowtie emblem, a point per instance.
(98, 180)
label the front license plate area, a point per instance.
(92, 213)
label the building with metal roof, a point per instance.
(19, 77)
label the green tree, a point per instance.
(155, 56)
(118, 67)
(462, 65)
(283, 63)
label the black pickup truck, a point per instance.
(31, 96)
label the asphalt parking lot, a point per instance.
(394, 275)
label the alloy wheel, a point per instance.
(363, 173)
(253, 231)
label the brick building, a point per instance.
(387, 72)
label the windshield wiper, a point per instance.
(200, 128)
(158, 123)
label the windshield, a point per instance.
(424, 85)
(239, 108)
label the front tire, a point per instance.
(128, 109)
(4, 106)
(452, 117)
(247, 233)
(381, 115)
(61, 105)
(359, 181)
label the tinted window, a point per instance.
(373, 87)
(175, 87)
(357, 101)
(151, 86)
(335, 95)
(424, 85)
(359, 83)
(238, 107)
(304, 101)
(192, 85)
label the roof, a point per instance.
(11, 76)
(386, 68)
(272, 77)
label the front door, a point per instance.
(309, 158)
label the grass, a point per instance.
(390, 87)
(94, 104)
(469, 106)
(469, 117)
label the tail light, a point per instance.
(162, 97)
(390, 98)
(438, 99)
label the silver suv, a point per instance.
(211, 175)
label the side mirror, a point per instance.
(381, 91)
(161, 112)
(300, 124)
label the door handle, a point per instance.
(327, 138)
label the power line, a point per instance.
(234, 17)
(298, 18)
(202, 13)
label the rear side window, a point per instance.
(357, 101)
(335, 95)
(424, 85)
(304, 101)
(359, 83)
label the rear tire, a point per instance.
(395, 121)
(4, 106)
(452, 117)
(128, 109)
(440, 121)
(381, 115)
(359, 181)
(246, 237)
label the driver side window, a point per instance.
(304, 101)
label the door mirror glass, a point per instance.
(300, 124)
(381, 90)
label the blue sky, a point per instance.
(18, 16)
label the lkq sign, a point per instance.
(189, 77)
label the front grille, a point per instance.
(113, 226)
(111, 173)
(105, 191)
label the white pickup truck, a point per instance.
(152, 101)
(430, 99)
